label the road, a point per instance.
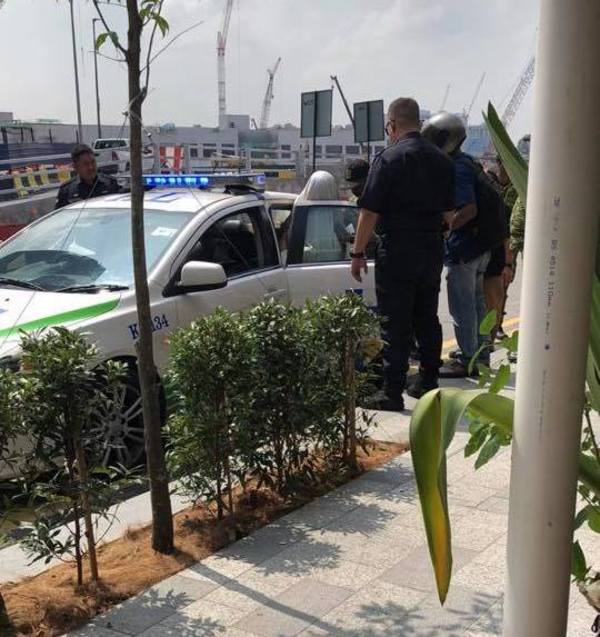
(511, 320)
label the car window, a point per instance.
(329, 233)
(234, 242)
(281, 217)
(85, 246)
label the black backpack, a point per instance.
(492, 217)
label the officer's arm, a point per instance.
(367, 220)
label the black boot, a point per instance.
(422, 383)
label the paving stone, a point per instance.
(93, 630)
(348, 574)
(495, 505)
(294, 610)
(318, 513)
(136, 615)
(375, 610)
(478, 531)
(395, 472)
(462, 609)
(180, 591)
(366, 519)
(300, 559)
(415, 570)
(383, 551)
(200, 619)
(473, 496)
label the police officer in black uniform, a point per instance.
(409, 187)
(88, 182)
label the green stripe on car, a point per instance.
(65, 317)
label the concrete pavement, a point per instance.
(353, 563)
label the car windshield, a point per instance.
(85, 247)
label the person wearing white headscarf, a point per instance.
(321, 186)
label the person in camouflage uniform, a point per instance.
(517, 227)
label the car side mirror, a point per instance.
(200, 276)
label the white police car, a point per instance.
(211, 240)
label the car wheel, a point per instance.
(121, 427)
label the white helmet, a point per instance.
(446, 131)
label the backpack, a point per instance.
(492, 217)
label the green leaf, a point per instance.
(114, 37)
(580, 518)
(593, 518)
(163, 25)
(579, 567)
(488, 323)
(476, 441)
(101, 39)
(432, 429)
(589, 473)
(516, 167)
(501, 379)
(488, 451)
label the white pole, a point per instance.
(561, 236)
(76, 73)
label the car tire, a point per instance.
(122, 426)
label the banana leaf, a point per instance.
(432, 429)
(514, 164)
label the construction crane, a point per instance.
(221, 46)
(335, 80)
(467, 111)
(443, 106)
(266, 107)
(518, 96)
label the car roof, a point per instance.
(181, 199)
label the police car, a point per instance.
(211, 240)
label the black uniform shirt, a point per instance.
(76, 190)
(410, 184)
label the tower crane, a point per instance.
(221, 46)
(518, 96)
(443, 106)
(467, 111)
(334, 79)
(266, 107)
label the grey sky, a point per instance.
(378, 48)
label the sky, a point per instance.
(379, 49)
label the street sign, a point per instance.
(315, 117)
(368, 121)
(315, 120)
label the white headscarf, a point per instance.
(321, 186)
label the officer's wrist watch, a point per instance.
(357, 255)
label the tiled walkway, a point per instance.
(352, 564)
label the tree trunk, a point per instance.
(351, 404)
(162, 519)
(87, 512)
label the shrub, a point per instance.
(210, 364)
(58, 398)
(346, 335)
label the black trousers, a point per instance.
(408, 273)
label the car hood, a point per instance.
(29, 311)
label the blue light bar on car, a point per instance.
(207, 180)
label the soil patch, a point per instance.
(49, 604)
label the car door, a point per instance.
(241, 239)
(321, 237)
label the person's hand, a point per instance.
(508, 275)
(357, 266)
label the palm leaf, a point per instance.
(514, 164)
